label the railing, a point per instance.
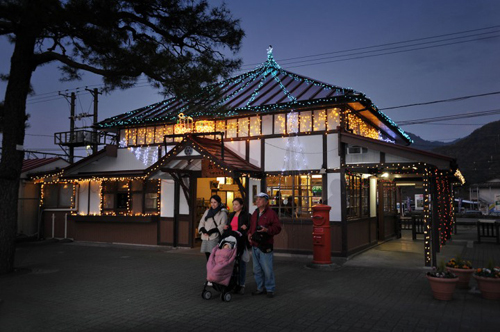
(84, 137)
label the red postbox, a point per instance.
(321, 234)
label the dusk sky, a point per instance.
(304, 29)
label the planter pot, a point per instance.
(442, 288)
(463, 275)
(489, 287)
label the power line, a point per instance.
(381, 45)
(395, 48)
(395, 52)
(41, 135)
(448, 117)
(442, 100)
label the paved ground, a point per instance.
(82, 287)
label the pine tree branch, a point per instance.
(47, 57)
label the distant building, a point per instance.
(488, 196)
(29, 192)
(302, 141)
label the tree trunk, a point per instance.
(12, 145)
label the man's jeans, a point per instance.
(263, 270)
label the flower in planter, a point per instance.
(441, 272)
(488, 273)
(459, 263)
(488, 281)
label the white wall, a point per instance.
(373, 196)
(332, 151)
(371, 157)
(255, 150)
(275, 149)
(389, 158)
(183, 204)
(125, 160)
(334, 195)
(238, 147)
(167, 198)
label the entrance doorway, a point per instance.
(225, 187)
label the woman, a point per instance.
(212, 225)
(239, 220)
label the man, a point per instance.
(266, 224)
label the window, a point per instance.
(150, 135)
(389, 192)
(141, 136)
(305, 121)
(243, 127)
(169, 130)
(132, 136)
(136, 197)
(232, 128)
(159, 133)
(144, 197)
(333, 118)
(255, 126)
(294, 196)
(357, 197)
(319, 120)
(114, 197)
(58, 195)
(279, 123)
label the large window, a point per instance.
(357, 196)
(294, 196)
(57, 196)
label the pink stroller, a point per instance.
(222, 269)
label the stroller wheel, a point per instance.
(207, 295)
(226, 297)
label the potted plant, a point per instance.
(488, 281)
(442, 282)
(462, 269)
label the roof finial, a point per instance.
(270, 51)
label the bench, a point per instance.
(488, 229)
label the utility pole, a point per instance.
(95, 94)
(72, 137)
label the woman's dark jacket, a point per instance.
(243, 219)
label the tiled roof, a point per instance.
(30, 164)
(265, 89)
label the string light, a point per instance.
(215, 97)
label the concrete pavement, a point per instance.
(89, 287)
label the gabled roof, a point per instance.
(267, 88)
(30, 164)
(212, 149)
